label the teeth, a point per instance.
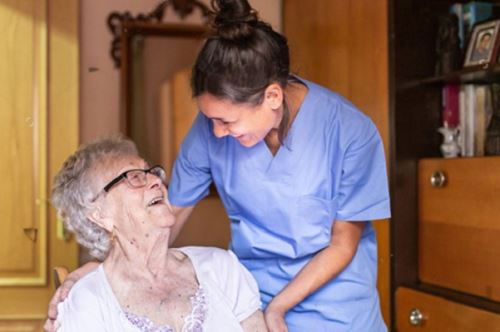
(155, 200)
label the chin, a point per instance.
(248, 143)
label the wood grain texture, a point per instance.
(459, 225)
(23, 308)
(343, 45)
(470, 197)
(441, 315)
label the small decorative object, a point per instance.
(474, 12)
(450, 105)
(448, 50)
(483, 45)
(449, 147)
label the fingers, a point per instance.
(66, 287)
(56, 299)
(50, 325)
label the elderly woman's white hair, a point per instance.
(72, 192)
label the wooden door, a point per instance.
(23, 152)
(38, 128)
(343, 46)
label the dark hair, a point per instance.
(241, 58)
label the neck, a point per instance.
(295, 93)
(140, 255)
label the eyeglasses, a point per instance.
(136, 178)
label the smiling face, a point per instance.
(247, 123)
(126, 208)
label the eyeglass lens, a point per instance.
(138, 178)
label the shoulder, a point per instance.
(340, 118)
(330, 105)
(85, 307)
(85, 298)
(210, 257)
(200, 129)
(217, 265)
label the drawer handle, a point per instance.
(438, 179)
(416, 317)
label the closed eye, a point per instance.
(224, 122)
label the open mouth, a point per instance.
(156, 201)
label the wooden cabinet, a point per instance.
(445, 227)
(38, 129)
(459, 229)
(418, 311)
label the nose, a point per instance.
(153, 180)
(220, 130)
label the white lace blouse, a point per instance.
(227, 295)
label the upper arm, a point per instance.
(182, 214)
(191, 176)
(363, 189)
(346, 236)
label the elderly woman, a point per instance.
(117, 206)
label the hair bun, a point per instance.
(234, 18)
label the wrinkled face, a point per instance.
(133, 210)
(247, 123)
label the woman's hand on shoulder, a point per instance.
(59, 296)
(62, 293)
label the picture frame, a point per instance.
(483, 45)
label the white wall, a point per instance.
(99, 80)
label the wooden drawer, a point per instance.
(459, 225)
(441, 315)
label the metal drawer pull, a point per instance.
(416, 317)
(438, 179)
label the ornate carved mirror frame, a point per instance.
(126, 27)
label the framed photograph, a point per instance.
(483, 44)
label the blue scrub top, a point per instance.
(282, 207)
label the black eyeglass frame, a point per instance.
(122, 176)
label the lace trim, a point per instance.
(192, 323)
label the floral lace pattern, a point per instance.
(192, 323)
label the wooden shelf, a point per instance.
(478, 74)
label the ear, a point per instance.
(273, 96)
(98, 217)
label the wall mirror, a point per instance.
(155, 59)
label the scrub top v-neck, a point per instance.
(282, 207)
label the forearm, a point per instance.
(323, 267)
(181, 216)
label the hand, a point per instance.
(59, 296)
(275, 320)
(62, 292)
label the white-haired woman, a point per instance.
(117, 206)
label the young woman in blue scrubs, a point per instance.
(301, 173)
